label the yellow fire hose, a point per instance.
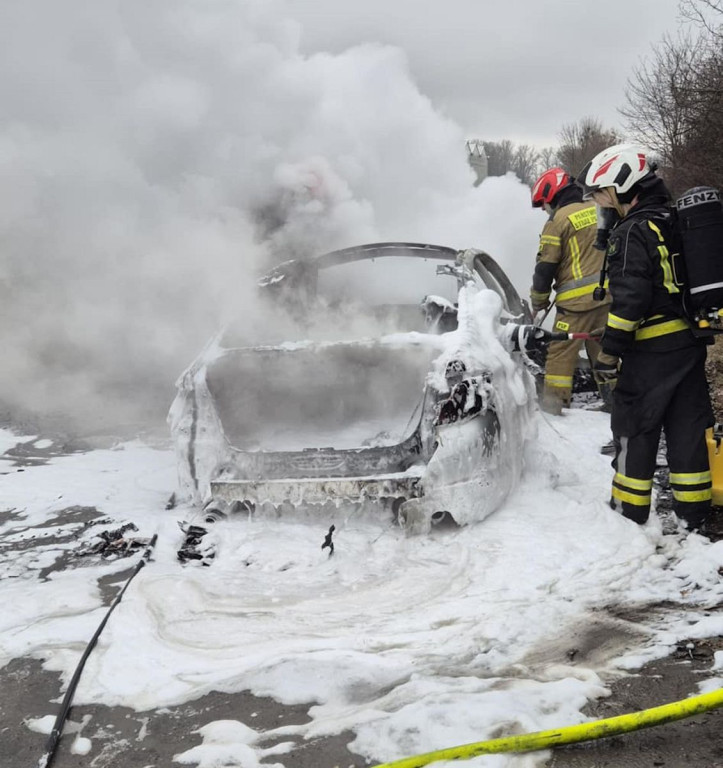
(597, 729)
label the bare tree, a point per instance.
(504, 156)
(660, 95)
(703, 155)
(581, 141)
(525, 163)
(674, 107)
(546, 159)
(500, 156)
(705, 13)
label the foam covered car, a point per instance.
(382, 380)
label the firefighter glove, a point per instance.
(530, 338)
(605, 369)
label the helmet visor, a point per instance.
(588, 190)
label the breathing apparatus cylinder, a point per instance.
(606, 220)
(700, 227)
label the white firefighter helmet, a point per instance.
(620, 167)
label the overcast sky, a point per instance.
(518, 69)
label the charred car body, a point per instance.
(384, 400)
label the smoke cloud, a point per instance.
(156, 156)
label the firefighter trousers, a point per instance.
(562, 356)
(662, 391)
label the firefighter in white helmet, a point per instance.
(566, 257)
(648, 345)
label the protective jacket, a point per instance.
(566, 255)
(662, 382)
(647, 300)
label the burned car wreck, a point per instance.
(398, 391)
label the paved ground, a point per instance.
(692, 743)
(123, 738)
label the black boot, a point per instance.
(608, 449)
(606, 393)
(696, 522)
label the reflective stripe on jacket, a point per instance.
(647, 308)
(566, 242)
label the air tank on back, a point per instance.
(700, 226)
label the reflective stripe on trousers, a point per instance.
(659, 391)
(632, 487)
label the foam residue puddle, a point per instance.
(410, 642)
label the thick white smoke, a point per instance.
(157, 154)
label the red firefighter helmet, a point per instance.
(548, 185)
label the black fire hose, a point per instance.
(52, 743)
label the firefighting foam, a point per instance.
(139, 207)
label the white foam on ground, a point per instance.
(413, 643)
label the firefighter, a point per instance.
(648, 345)
(566, 257)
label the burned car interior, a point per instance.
(338, 406)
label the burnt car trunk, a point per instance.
(344, 414)
(339, 396)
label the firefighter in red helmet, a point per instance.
(567, 261)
